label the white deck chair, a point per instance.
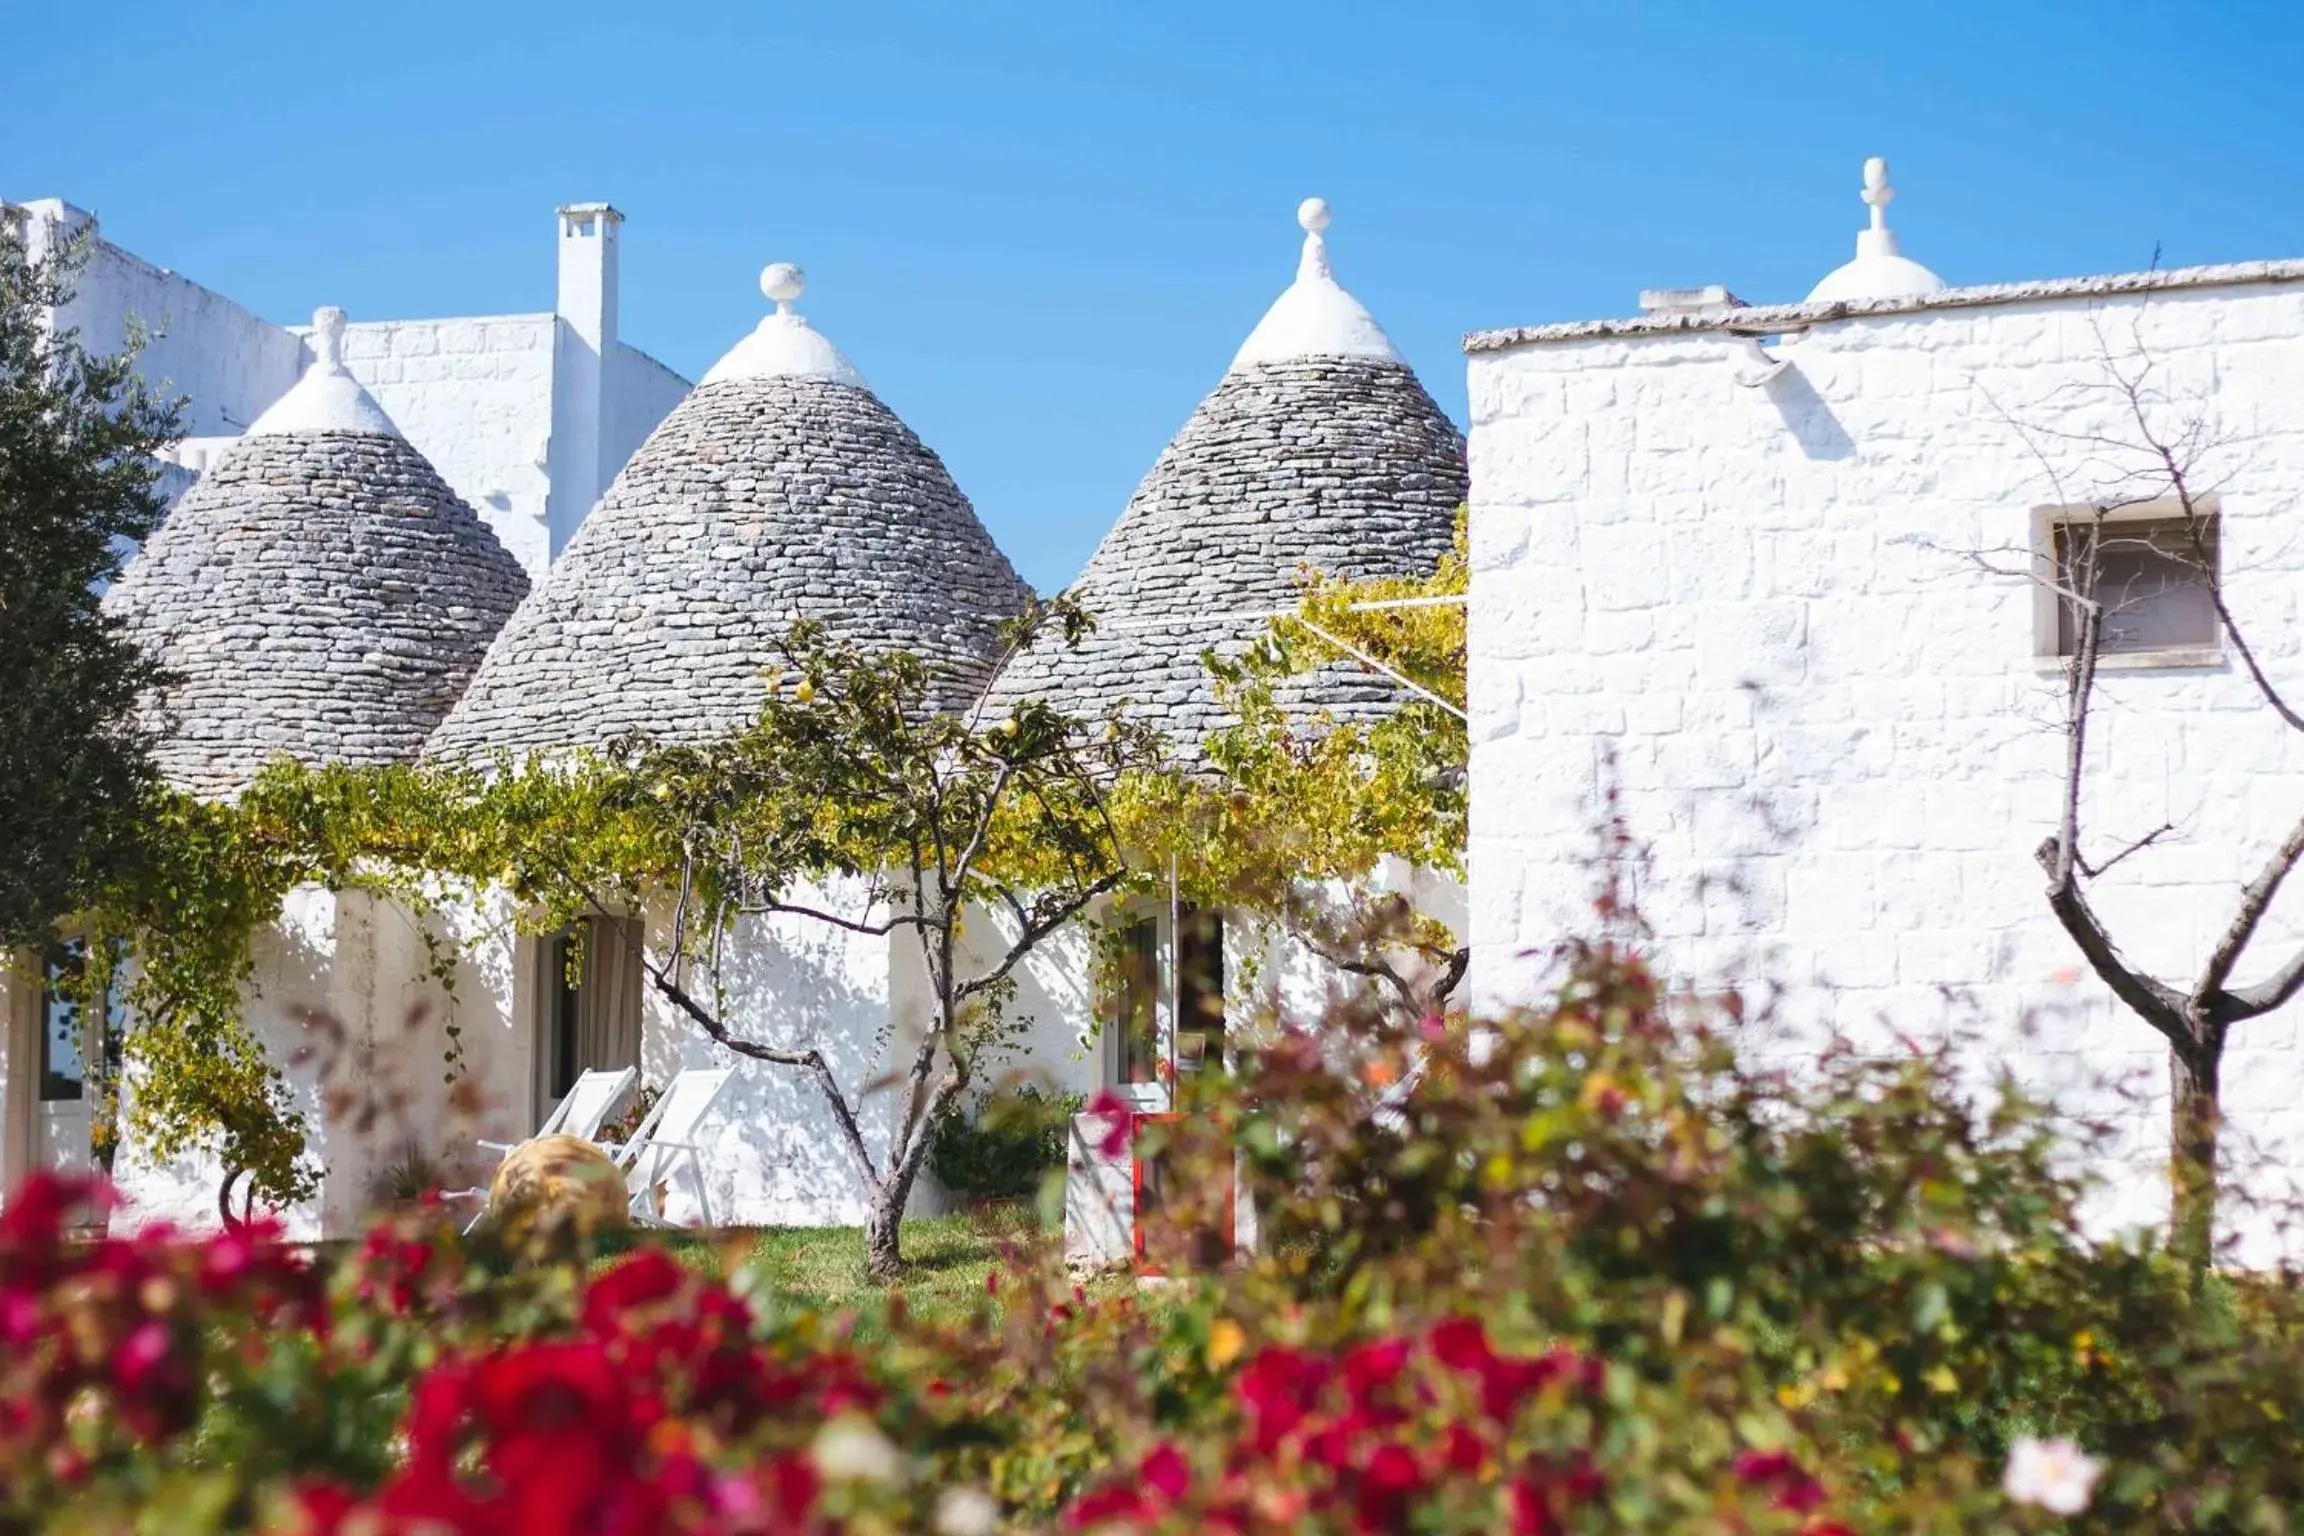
(667, 1137)
(597, 1091)
(595, 1095)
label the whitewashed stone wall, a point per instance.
(641, 393)
(1749, 610)
(475, 397)
(345, 1000)
(775, 1154)
(229, 362)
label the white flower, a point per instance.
(966, 1512)
(851, 1449)
(2054, 1474)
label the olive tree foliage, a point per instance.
(940, 819)
(1305, 821)
(79, 433)
(2137, 516)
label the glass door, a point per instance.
(64, 1119)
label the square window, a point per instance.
(2153, 573)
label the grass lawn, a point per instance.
(946, 1258)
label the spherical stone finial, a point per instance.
(1313, 215)
(783, 282)
(328, 337)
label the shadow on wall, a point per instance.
(774, 1153)
(386, 1092)
(1055, 1040)
(291, 958)
(1809, 416)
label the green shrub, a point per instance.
(1578, 1270)
(1014, 1140)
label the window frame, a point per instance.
(2048, 525)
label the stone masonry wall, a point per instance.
(1753, 611)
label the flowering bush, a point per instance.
(1572, 1272)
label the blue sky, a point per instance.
(1041, 230)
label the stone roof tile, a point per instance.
(764, 497)
(321, 594)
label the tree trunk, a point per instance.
(883, 1258)
(883, 1253)
(2195, 1117)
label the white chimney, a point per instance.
(583, 359)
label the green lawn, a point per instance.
(946, 1259)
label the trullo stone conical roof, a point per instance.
(319, 593)
(780, 489)
(1319, 449)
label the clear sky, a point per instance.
(1042, 229)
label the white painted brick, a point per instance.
(1820, 639)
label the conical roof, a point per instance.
(1318, 449)
(780, 489)
(320, 592)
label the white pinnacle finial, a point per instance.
(1881, 270)
(1313, 215)
(784, 345)
(783, 282)
(1315, 317)
(1877, 193)
(328, 339)
(327, 398)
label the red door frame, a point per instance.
(1136, 1190)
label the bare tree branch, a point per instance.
(812, 1061)
(2255, 899)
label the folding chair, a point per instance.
(597, 1091)
(667, 1136)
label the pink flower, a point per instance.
(1118, 1121)
(1166, 1472)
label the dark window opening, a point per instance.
(592, 1001)
(567, 995)
(2155, 582)
(1199, 989)
(1136, 1004)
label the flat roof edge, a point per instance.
(1767, 317)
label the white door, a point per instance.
(63, 1109)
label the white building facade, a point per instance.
(1770, 578)
(527, 416)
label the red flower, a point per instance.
(650, 1275)
(1461, 1450)
(1542, 1497)
(1279, 1388)
(1117, 1504)
(791, 1485)
(1764, 1467)
(1370, 1368)
(1119, 1121)
(1166, 1472)
(1461, 1344)
(1388, 1485)
(1780, 1472)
